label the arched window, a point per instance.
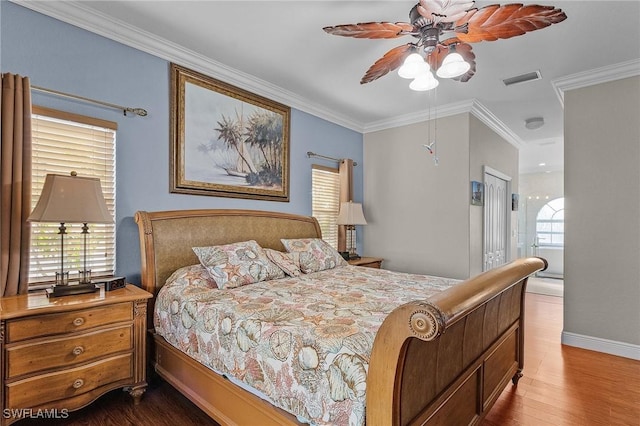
(550, 224)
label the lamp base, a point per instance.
(68, 290)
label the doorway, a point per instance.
(549, 238)
(497, 206)
(541, 228)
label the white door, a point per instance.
(496, 208)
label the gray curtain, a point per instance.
(15, 175)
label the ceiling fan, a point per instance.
(444, 29)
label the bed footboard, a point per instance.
(447, 359)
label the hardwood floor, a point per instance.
(161, 405)
(562, 385)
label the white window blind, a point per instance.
(62, 143)
(325, 183)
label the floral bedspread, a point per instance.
(304, 342)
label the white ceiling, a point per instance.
(278, 49)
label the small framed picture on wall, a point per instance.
(477, 193)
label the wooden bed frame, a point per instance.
(444, 360)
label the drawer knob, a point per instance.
(77, 384)
(78, 321)
(78, 350)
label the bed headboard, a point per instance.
(166, 237)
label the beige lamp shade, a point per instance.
(71, 199)
(351, 214)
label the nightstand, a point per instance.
(368, 262)
(62, 353)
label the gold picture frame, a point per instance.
(226, 141)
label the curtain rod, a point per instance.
(337, 160)
(138, 111)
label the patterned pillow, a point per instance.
(315, 254)
(192, 275)
(288, 262)
(237, 264)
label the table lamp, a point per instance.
(71, 199)
(351, 215)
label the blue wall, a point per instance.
(62, 57)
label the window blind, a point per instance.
(62, 143)
(326, 201)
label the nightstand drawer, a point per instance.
(67, 322)
(30, 357)
(39, 390)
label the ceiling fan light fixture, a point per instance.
(413, 66)
(424, 82)
(453, 66)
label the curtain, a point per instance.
(15, 175)
(346, 195)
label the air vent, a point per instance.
(523, 78)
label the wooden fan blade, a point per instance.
(389, 62)
(467, 54)
(374, 30)
(438, 54)
(500, 22)
(436, 57)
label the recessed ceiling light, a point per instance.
(542, 164)
(534, 123)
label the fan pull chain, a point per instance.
(432, 143)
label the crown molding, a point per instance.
(419, 116)
(483, 114)
(596, 76)
(472, 106)
(77, 14)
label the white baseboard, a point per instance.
(626, 350)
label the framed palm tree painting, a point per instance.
(226, 141)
